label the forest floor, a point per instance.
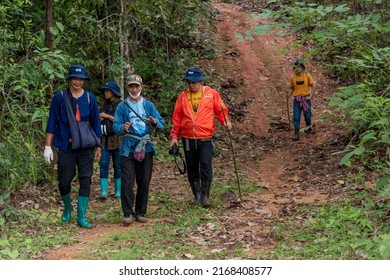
(253, 79)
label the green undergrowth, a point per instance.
(31, 232)
(350, 229)
(160, 239)
(331, 232)
(168, 234)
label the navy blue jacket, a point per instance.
(57, 123)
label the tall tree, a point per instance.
(49, 23)
(49, 41)
(124, 45)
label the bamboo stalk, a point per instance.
(234, 155)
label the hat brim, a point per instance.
(77, 76)
(194, 79)
(113, 91)
(136, 83)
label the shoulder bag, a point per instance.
(83, 136)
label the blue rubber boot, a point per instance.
(67, 214)
(117, 183)
(82, 205)
(103, 188)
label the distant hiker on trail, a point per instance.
(63, 131)
(134, 118)
(110, 141)
(302, 88)
(193, 121)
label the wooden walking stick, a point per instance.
(234, 156)
(288, 114)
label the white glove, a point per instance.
(48, 154)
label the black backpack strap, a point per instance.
(136, 113)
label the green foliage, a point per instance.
(5, 251)
(350, 43)
(165, 37)
(351, 39)
(31, 232)
(332, 232)
(6, 209)
(366, 116)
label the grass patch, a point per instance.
(333, 232)
(156, 241)
(33, 231)
(168, 235)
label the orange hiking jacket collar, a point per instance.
(200, 125)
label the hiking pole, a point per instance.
(288, 113)
(234, 157)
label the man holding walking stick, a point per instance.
(193, 121)
(302, 88)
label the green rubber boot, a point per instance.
(67, 214)
(103, 188)
(82, 205)
(117, 183)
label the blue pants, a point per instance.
(297, 114)
(105, 162)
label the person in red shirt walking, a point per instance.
(193, 122)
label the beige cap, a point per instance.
(134, 79)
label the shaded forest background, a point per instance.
(159, 40)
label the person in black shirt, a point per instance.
(110, 141)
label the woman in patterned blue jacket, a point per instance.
(133, 119)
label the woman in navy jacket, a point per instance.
(58, 134)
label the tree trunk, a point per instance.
(124, 45)
(49, 23)
(49, 41)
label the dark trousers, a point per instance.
(199, 156)
(297, 114)
(140, 172)
(67, 162)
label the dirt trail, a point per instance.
(253, 80)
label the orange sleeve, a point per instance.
(219, 105)
(176, 119)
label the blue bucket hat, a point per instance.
(194, 75)
(77, 71)
(113, 87)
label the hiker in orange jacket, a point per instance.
(193, 121)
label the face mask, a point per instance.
(135, 96)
